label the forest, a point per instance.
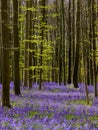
(48, 64)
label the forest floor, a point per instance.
(53, 108)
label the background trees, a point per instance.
(53, 41)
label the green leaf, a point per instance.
(31, 9)
(32, 113)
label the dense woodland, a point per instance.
(49, 64)
(48, 41)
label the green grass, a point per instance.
(32, 113)
(92, 118)
(69, 117)
(80, 102)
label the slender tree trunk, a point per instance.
(56, 52)
(73, 37)
(59, 23)
(41, 47)
(88, 47)
(90, 40)
(30, 45)
(17, 49)
(86, 88)
(85, 72)
(85, 49)
(94, 46)
(0, 48)
(76, 65)
(63, 39)
(21, 37)
(26, 71)
(5, 55)
(34, 58)
(70, 45)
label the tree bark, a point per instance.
(94, 46)
(70, 44)
(41, 46)
(5, 55)
(76, 65)
(17, 49)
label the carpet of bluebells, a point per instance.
(53, 108)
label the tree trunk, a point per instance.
(73, 38)
(90, 40)
(17, 49)
(30, 44)
(0, 49)
(76, 65)
(26, 69)
(69, 42)
(63, 39)
(94, 46)
(41, 46)
(5, 55)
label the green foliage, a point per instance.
(93, 117)
(31, 9)
(37, 40)
(69, 117)
(21, 17)
(23, 8)
(32, 113)
(54, 15)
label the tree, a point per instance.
(70, 43)
(94, 46)
(16, 49)
(90, 41)
(26, 53)
(30, 44)
(85, 49)
(76, 65)
(5, 54)
(42, 34)
(0, 49)
(73, 37)
(63, 38)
